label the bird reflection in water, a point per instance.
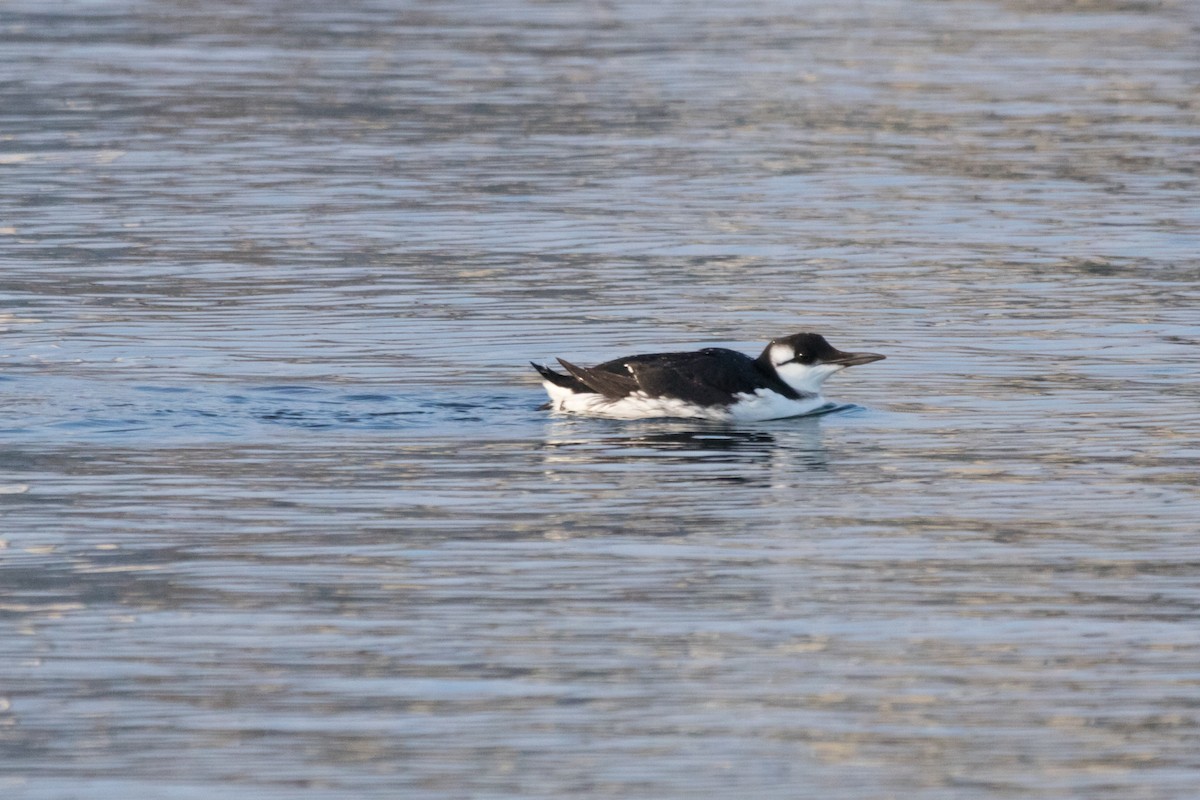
(703, 441)
(782, 447)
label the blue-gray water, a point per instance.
(280, 518)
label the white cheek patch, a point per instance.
(781, 353)
(805, 377)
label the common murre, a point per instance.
(713, 383)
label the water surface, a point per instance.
(279, 514)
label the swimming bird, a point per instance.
(713, 383)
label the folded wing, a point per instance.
(601, 381)
(708, 377)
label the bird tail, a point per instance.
(565, 381)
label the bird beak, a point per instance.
(853, 359)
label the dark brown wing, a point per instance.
(602, 381)
(714, 376)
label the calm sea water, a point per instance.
(280, 518)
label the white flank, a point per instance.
(765, 404)
(761, 405)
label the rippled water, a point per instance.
(280, 517)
